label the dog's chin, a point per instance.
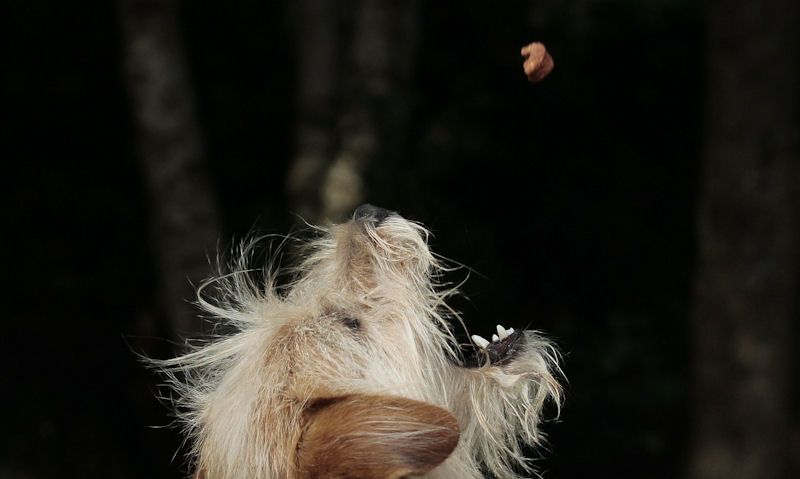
(394, 249)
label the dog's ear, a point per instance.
(371, 437)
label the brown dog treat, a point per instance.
(538, 63)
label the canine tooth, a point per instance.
(495, 338)
(502, 332)
(481, 342)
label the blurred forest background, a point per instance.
(640, 204)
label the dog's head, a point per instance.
(350, 368)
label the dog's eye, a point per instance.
(352, 323)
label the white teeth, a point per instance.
(481, 342)
(502, 333)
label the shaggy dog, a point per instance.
(352, 370)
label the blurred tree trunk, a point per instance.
(318, 45)
(184, 223)
(349, 115)
(381, 59)
(746, 284)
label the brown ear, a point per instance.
(371, 437)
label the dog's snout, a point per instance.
(368, 212)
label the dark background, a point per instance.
(575, 199)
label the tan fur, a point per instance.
(364, 326)
(381, 437)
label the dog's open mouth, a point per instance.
(502, 349)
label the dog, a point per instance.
(352, 369)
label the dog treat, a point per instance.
(352, 370)
(538, 63)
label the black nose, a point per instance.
(368, 212)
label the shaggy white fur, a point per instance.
(363, 314)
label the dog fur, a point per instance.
(353, 370)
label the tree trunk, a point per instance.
(746, 283)
(318, 48)
(382, 53)
(348, 114)
(184, 224)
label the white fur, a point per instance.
(240, 396)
